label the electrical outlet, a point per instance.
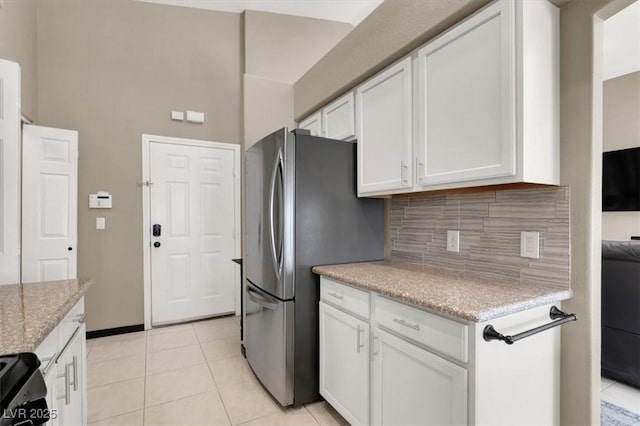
(100, 223)
(453, 241)
(530, 245)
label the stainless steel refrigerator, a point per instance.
(301, 211)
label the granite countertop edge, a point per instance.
(490, 313)
(47, 325)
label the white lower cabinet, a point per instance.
(63, 356)
(412, 386)
(417, 367)
(344, 363)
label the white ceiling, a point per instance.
(349, 11)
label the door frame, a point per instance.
(147, 139)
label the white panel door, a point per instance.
(339, 119)
(344, 364)
(383, 123)
(193, 201)
(49, 204)
(9, 172)
(412, 386)
(466, 81)
(313, 123)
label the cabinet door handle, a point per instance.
(419, 166)
(359, 345)
(374, 352)
(75, 372)
(402, 321)
(336, 295)
(67, 385)
(403, 171)
(80, 317)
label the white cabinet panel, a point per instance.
(10, 147)
(345, 297)
(338, 118)
(313, 123)
(466, 81)
(70, 388)
(384, 130)
(344, 364)
(411, 386)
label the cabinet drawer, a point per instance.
(70, 323)
(443, 335)
(348, 298)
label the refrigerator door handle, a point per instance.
(261, 300)
(276, 251)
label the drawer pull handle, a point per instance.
(336, 295)
(51, 362)
(359, 345)
(80, 317)
(406, 324)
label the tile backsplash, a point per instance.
(490, 224)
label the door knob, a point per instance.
(156, 244)
(69, 248)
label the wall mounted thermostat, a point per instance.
(101, 200)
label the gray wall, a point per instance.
(113, 70)
(18, 43)
(621, 130)
(279, 49)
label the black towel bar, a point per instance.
(555, 314)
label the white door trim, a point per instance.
(146, 224)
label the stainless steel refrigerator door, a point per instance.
(269, 215)
(269, 342)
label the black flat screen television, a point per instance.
(621, 180)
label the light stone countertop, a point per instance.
(29, 312)
(463, 295)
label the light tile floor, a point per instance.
(620, 394)
(187, 374)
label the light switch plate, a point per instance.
(195, 117)
(530, 245)
(177, 115)
(453, 241)
(100, 223)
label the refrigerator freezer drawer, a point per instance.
(269, 342)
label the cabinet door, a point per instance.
(312, 123)
(71, 389)
(383, 123)
(338, 119)
(466, 113)
(344, 364)
(412, 386)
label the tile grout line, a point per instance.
(226, 412)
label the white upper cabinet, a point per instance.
(10, 147)
(384, 130)
(313, 123)
(335, 121)
(338, 119)
(488, 99)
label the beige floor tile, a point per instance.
(115, 370)
(176, 384)
(115, 399)
(107, 350)
(89, 345)
(169, 328)
(221, 348)
(247, 400)
(129, 419)
(325, 414)
(623, 396)
(174, 359)
(237, 319)
(201, 409)
(230, 370)
(605, 382)
(285, 417)
(217, 329)
(159, 342)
